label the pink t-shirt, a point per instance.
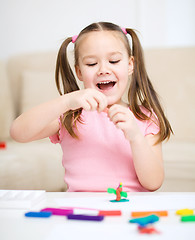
(102, 156)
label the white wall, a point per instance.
(33, 25)
(167, 23)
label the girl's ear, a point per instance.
(131, 65)
(78, 73)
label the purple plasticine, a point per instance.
(85, 217)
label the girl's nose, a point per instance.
(103, 69)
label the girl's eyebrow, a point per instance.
(115, 53)
(94, 56)
(89, 56)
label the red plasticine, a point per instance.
(110, 213)
(148, 230)
(2, 145)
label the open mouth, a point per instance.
(106, 85)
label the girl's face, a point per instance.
(104, 64)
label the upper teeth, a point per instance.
(106, 82)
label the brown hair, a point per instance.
(141, 91)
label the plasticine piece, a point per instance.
(119, 193)
(2, 145)
(148, 230)
(85, 217)
(111, 190)
(145, 220)
(106, 110)
(110, 213)
(38, 214)
(185, 211)
(190, 218)
(147, 213)
(58, 211)
(124, 194)
(122, 200)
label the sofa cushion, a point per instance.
(179, 166)
(172, 72)
(36, 165)
(37, 87)
(41, 61)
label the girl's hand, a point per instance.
(124, 119)
(89, 99)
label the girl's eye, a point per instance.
(91, 64)
(114, 62)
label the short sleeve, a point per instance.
(57, 137)
(152, 128)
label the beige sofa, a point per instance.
(28, 79)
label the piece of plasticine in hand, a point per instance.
(106, 110)
(119, 193)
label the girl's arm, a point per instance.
(147, 156)
(42, 121)
(39, 122)
(148, 161)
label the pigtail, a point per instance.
(64, 76)
(64, 71)
(142, 92)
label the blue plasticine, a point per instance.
(145, 220)
(38, 214)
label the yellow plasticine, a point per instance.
(185, 211)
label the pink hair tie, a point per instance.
(124, 30)
(74, 38)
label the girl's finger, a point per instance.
(113, 110)
(118, 117)
(86, 106)
(102, 101)
(93, 103)
(102, 104)
(120, 125)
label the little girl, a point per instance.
(104, 139)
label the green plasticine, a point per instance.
(111, 190)
(190, 218)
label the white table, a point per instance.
(14, 225)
